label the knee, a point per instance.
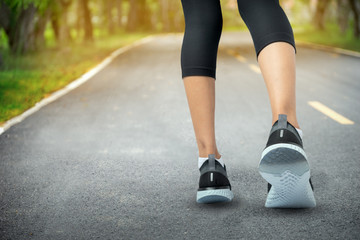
(267, 22)
(203, 26)
(202, 15)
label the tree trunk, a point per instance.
(119, 13)
(356, 18)
(109, 4)
(319, 16)
(165, 15)
(343, 12)
(4, 23)
(179, 23)
(5, 13)
(138, 18)
(87, 21)
(20, 30)
(1, 61)
(64, 31)
(55, 27)
(144, 22)
(172, 15)
(54, 19)
(40, 29)
(80, 20)
(132, 16)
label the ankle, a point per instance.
(201, 160)
(205, 148)
(205, 153)
(291, 118)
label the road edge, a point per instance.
(87, 76)
(327, 48)
(73, 84)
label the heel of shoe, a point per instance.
(289, 191)
(288, 172)
(214, 195)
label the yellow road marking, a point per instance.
(240, 58)
(236, 55)
(255, 68)
(230, 52)
(330, 113)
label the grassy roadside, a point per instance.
(27, 79)
(331, 36)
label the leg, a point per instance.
(283, 162)
(277, 64)
(203, 25)
(200, 92)
(275, 50)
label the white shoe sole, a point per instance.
(214, 195)
(286, 168)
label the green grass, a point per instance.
(25, 80)
(331, 36)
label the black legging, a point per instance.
(265, 19)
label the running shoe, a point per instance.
(214, 185)
(285, 167)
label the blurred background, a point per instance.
(45, 44)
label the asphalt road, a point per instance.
(116, 158)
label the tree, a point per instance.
(17, 20)
(139, 16)
(109, 19)
(319, 16)
(64, 30)
(355, 11)
(40, 25)
(119, 12)
(88, 27)
(24, 23)
(343, 12)
(55, 13)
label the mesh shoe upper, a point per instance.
(213, 175)
(284, 132)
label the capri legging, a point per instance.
(265, 20)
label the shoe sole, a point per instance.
(214, 195)
(286, 168)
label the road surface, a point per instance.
(116, 158)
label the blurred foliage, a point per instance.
(26, 23)
(18, 4)
(37, 36)
(29, 78)
(330, 36)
